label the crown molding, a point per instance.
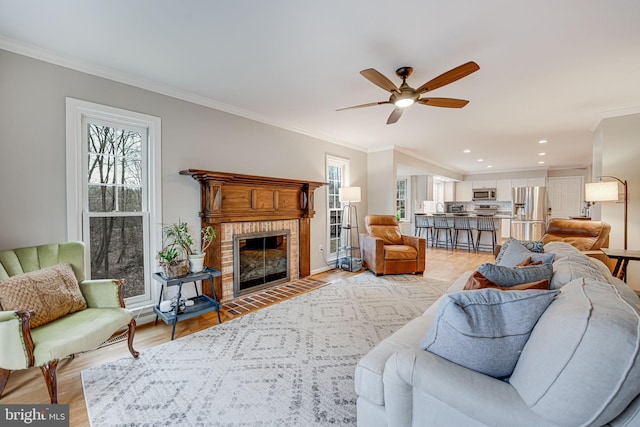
(380, 149)
(110, 74)
(423, 159)
(613, 113)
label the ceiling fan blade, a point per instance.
(443, 102)
(449, 77)
(395, 116)
(379, 80)
(371, 104)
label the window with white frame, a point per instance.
(337, 177)
(438, 195)
(113, 193)
(402, 195)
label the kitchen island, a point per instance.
(485, 243)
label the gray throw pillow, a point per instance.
(485, 330)
(511, 276)
(531, 245)
(515, 252)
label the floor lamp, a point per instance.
(350, 195)
(607, 192)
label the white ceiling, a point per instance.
(549, 69)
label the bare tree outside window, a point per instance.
(401, 199)
(335, 207)
(115, 205)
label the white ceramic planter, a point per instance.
(196, 262)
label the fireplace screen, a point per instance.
(260, 260)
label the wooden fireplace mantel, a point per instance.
(231, 197)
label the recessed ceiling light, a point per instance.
(467, 151)
(542, 154)
(542, 141)
(541, 162)
(489, 166)
(481, 160)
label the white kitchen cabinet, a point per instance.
(450, 191)
(506, 228)
(537, 182)
(464, 191)
(484, 183)
(503, 187)
(529, 182)
(519, 182)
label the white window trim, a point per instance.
(407, 189)
(345, 164)
(78, 110)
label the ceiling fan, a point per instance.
(405, 95)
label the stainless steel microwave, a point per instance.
(480, 194)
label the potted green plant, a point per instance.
(173, 258)
(178, 234)
(171, 262)
(196, 257)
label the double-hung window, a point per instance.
(337, 177)
(402, 198)
(113, 193)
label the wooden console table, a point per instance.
(623, 257)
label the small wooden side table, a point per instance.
(623, 257)
(201, 303)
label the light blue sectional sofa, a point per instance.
(579, 367)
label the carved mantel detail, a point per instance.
(229, 197)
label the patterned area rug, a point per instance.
(290, 364)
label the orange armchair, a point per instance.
(587, 236)
(584, 235)
(385, 250)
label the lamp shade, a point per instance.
(601, 191)
(349, 194)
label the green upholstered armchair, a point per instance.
(24, 347)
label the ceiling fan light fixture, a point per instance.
(404, 102)
(405, 96)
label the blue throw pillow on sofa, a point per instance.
(511, 276)
(485, 330)
(514, 252)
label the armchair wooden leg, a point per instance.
(4, 377)
(51, 378)
(132, 332)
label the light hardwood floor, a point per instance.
(28, 386)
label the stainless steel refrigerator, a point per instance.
(529, 211)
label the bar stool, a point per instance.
(486, 223)
(461, 223)
(423, 224)
(440, 222)
(431, 229)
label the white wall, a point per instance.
(381, 183)
(420, 166)
(32, 150)
(618, 142)
(583, 172)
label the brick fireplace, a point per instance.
(229, 261)
(240, 204)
